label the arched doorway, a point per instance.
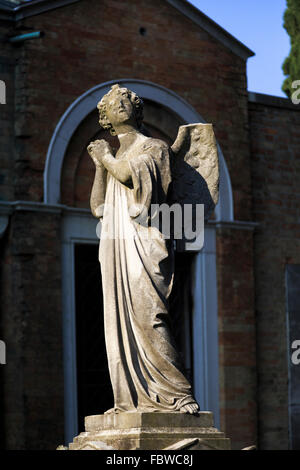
(79, 229)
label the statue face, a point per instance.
(119, 109)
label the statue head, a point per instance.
(113, 97)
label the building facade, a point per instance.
(238, 296)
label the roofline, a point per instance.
(16, 13)
(271, 100)
(35, 7)
(212, 28)
(6, 11)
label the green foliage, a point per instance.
(291, 65)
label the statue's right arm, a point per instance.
(98, 191)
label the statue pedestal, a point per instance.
(150, 431)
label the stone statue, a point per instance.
(137, 270)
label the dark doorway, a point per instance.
(93, 383)
(181, 308)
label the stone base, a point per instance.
(150, 431)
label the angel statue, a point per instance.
(137, 271)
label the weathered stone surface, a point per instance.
(151, 431)
(196, 167)
(135, 254)
(146, 420)
(193, 444)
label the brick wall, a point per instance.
(7, 62)
(91, 42)
(31, 324)
(275, 163)
(237, 349)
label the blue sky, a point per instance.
(259, 25)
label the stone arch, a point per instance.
(80, 227)
(87, 102)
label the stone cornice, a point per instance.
(12, 12)
(270, 100)
(8, 207)
(234, 224)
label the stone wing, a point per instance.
(195, 168)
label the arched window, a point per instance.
(67, 167)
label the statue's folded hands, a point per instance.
(98, 149)
(101, 153)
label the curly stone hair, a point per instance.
(136, 102)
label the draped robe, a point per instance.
(137, 276)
